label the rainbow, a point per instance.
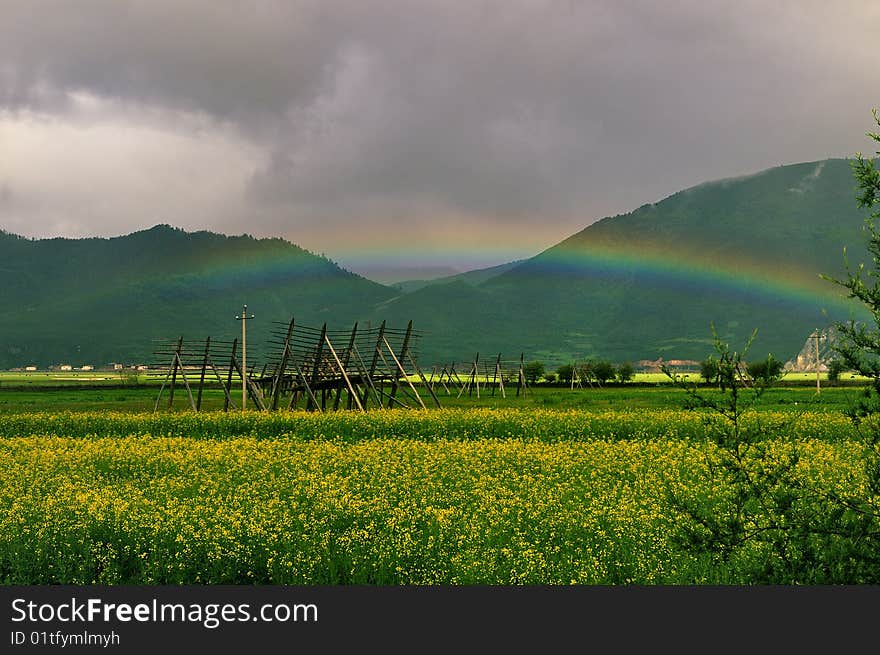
(760, 281)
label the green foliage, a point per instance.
(709, 370)
(760, 516)
(763, 513)
(857, 516)
(835, 368)
(768, 371)
(550, 377)
(565, 373)
(603, 371)
(533, 371)
(625, 372)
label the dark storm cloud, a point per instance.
(499, 117)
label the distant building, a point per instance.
(678, 365)
(87, 367)
(118, 367)
(30, 368)
(65, 367)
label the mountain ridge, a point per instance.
(741, 253)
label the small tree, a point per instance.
(565, 373)
(709, 370)
(625, 372)
(835, 368)
(856, 519)
(603, 371)
(750, 516)
(768, 371)
(550, 377)
(533, 371)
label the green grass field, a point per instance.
(95, 391)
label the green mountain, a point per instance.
(94, 301)
(741, 253)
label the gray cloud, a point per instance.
(501, 123)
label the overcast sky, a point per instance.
(387, 134)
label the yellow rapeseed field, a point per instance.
(451, 496)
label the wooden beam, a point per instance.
(401, 369)
(308, 389)
(362, 370)
(344, 374)
(192, 403)
(222, 385)
(424, 381)
(343, 366)
(164, 382)
(251, 387)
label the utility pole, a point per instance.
(818, 389)
(244, 318)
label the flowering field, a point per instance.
(450, 496)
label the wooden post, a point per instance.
(495, 375)
(477, 377)
(362, 369)
(251, 388)
(500, 372)
(372, 370)
(164, 382)
(468, 384)
(244, 318)
(343, 365)
(521, 378)
(176, 361)
(308, 389)
(279, 374)
(448, 392)
(202, 376)
(401, 370)
(403, 349)
(818, 388)
(473, 380)
(225, 388)
(319, 352)
(342, 371)
(424, 381)
(192, 403)
(229, 375)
